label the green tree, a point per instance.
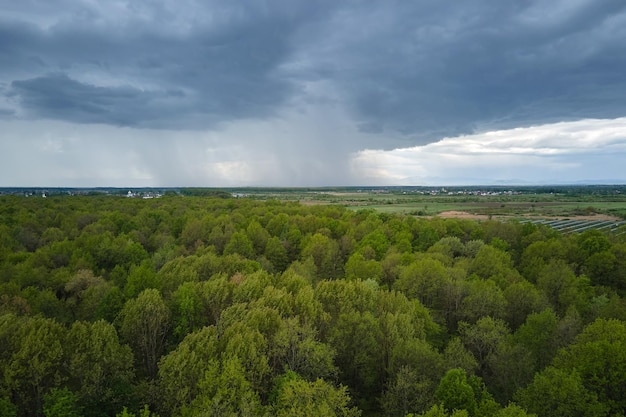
(424, 279)
(539, 336)
(494, 263)
(325, 254)
(483, 337)
(182, 370)
(100, 369)
(61, 403)
(145, 324)
(36, 365)
(304, 355)
(297, 397)
(510, 367)
(377, 240)
(178, 271)
(455, 393)
(598, 355)
(143, 412)
(560, 285)
(258, 236)
(7, 409)
(141, 277)
(78, 287)
(355, 339)
(276, 253)
(187, 309)
(239, 243)
(522, 298)
(484, 298)
(513, 410)
(406, 392)
(457, 356)
(358, 267)
(225, 392)
(556, 393)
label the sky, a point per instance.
(233, 93)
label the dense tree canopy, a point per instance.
(184, 306)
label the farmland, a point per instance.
(585, 203)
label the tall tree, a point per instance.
(100, 369)
(297, 397)
(145, 324)
(36, 364)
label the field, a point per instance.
(568, 209)
(593, 203)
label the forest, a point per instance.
(203, 306)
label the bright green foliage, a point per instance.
(358, 267)
(258, 236)
(36, 363)
(61, 403)
(187, 309)
(513, 410)
(240, 244)
(343, 296)
(244, 307)
(355, 339)
(592, 242)
(450, 246)
(141, 278)
(225, 391)
(493, 263)
(145, 323)
(376, 240)
(181, 371)
(455, 393)
(100, 369)
(297, 397)
(250, 348)
(557, 393)
(424, 279)
(457, 356)
(304, 355)
(598, 355)
(176, 272)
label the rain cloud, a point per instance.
(283, 92)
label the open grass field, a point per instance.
(600, 202)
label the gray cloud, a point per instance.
(431, 70)
(426, 69)
(124, 68)
(56, 96)
(294, 87)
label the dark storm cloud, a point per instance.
(58, 97)
(216, 63)
(423, 69)
(440, 69)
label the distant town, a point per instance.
(242, 192)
